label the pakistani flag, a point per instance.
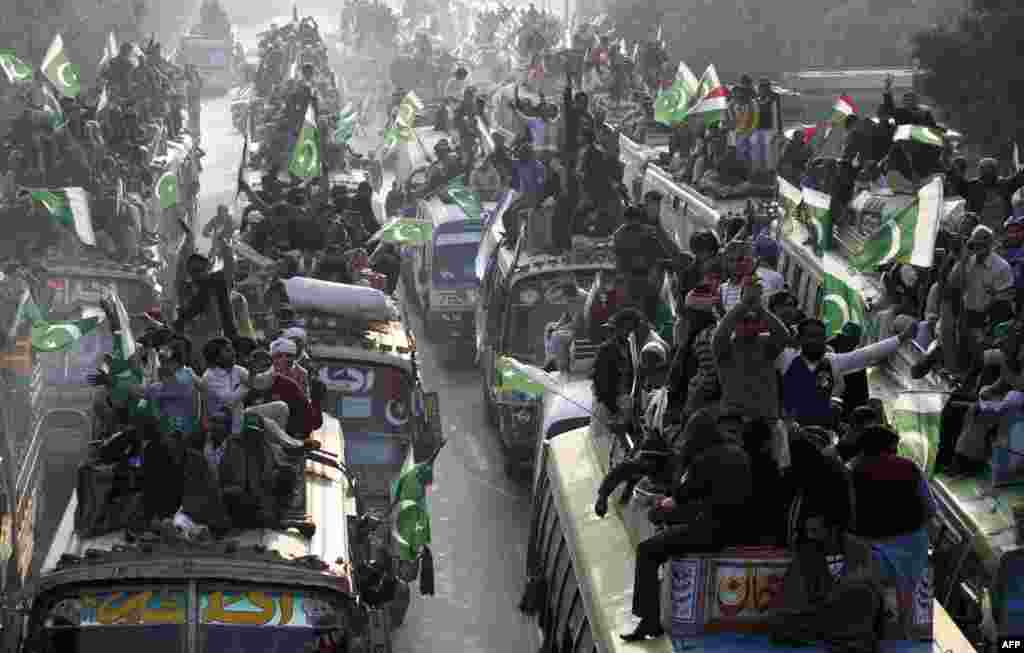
(60, 71)
(69, 207)
(907, 236)
(58, 336)
(306, 155)
(917, 417)
(15, 69)
(167, 190)
(404, 231)
(407, 110)
(409, 496)
(346, 125)
(465, 198)
(516, 377)
(29, 311)
(817, 205)
(918, 134)
(671, 104)
(840, 301)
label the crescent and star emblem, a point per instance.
(68, 75)
(896, 240)
(839, 302)
(50, 341)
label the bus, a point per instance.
(580, 566)
(262, 589)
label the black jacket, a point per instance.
(607, 375)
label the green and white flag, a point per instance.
(917, 417)
(15, 69)
(29, 311)
(817, 205)
(405, 231)
(69, 207)
(466, 199)
(62, 73)
(908, 235)
(918, 134)
(58, 336)
(672, 103)
(167, 190)
(840, 301)
(514, 376)
(412, 518)
(305, 160)
(347, 120)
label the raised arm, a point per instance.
(723, 334)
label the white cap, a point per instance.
(283, 346)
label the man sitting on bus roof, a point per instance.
(714, 515)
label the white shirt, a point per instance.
(985, 282)
(225, 390)
(771, 281)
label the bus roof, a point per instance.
(602, 550)
(329, 502)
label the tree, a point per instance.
(973, 69)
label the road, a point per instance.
(479, 518)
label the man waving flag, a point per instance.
(62, 73)
(305, 160)
(58, 336)
(908, 235)
(15, 69)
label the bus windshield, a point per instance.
(455, 258)
(154, 618)
(372, 402)
(538, 301)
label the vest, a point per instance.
(802, 396)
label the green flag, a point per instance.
(58, 336)
(465, 198)
(918, 134)
(840, 303)
(16, 69)
(305, 160)
(346, 125)
(412, 521)
(671, 106)
(917, 417)
(62, 73)
(908, 235)
(817, 206)
(56, 203)
(404, 231)
(167, 189)
(30, 312)
(514, 376)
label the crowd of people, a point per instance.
(109, 142)
(218, 450)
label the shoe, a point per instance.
(643, 632)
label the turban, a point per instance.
(283, 346)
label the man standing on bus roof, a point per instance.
(708, 515)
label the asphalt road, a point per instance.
(479, 517)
